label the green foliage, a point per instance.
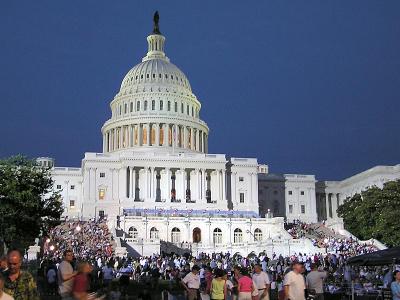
(28, 204)
(374, 213)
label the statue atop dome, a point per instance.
(156, 28)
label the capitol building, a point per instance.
(157, 184)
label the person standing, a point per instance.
(315, 282)
(19, 284)
(245, 285)
(395, 285)
(294, 283)
(261, 282)
(80, 285)
(66, 276)
(191, 283)
(3, 296)
(218, 286)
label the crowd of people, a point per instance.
(78, 263)
(217, 276)
(87, 239)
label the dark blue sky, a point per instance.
(305, 86)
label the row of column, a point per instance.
(194, 184)
(155, 134)
(327, 203)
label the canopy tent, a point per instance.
(378, 258)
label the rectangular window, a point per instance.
(169, 106)
(187, 110)
(241, 179)
(161, 105)
(131, 107)
(101, 214)
(241, 197)
(153, 105)
(176, 106)
(72, 187)
(58, 186)
(138, 106)
(290, 192)
(102, 194)
(126, 108)
(303, 209)
(71, 203)
(290, 209)
(302, 193)
(102, 174)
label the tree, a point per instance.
(374, 213)
(28, 204)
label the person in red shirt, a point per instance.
(81, 282)
(245, 285)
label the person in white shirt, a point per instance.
(191, 283)
(261, 282)
(294, 283)
(3, 296)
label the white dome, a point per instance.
(155, 108)
(155, 72)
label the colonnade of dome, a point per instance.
(155, 107)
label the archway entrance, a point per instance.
(196, 235)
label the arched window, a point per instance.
(258, 235)
(132, 232)
(175, 235)
(217, 236)
(138, 106)
(154, 233)
(237, 236)
(145, 105)
(153, 105)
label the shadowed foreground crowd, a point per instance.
(81, 266)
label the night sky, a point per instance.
(309, 87)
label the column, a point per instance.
(327, 204)
(223, 186)
(140, 134)
(121, 133)
(203, 185)
(184, 144)
(114, 138)
(109, 141)
(233, 188)
(133, 183)
(218, 185)
(148, 134)
(204, 142)
(197, 148)
(130, 136)
(157, 141)
(166, 130)
(184, 184)
(104, 143)
(146, 183)
(198, 183)
(255, 192)
(192, 139)
(168, 176)
(153, 183)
